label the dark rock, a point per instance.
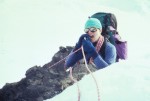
(44, 82)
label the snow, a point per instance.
(122, 81)
(32, 31)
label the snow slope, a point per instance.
(124, 81)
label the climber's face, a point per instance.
(94, 33)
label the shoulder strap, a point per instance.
(102, 50)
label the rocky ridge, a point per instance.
(42, 83)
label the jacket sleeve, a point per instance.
(73, 58)
(110, 57)
(110, 53)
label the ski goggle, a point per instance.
(92, 29)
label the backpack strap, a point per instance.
(102, 50)
(99, 43)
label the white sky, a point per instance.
(31, 31)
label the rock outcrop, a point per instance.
(44, 82)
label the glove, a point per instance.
(79, 43)
(89, 48)
(72, 59)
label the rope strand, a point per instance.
(75, 81)
(63, 58)
(72, 76)
(91, 74)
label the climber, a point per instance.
(96, 48)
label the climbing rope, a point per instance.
(75, 81)
(64, 58)
(91, 74)
(70, 69)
